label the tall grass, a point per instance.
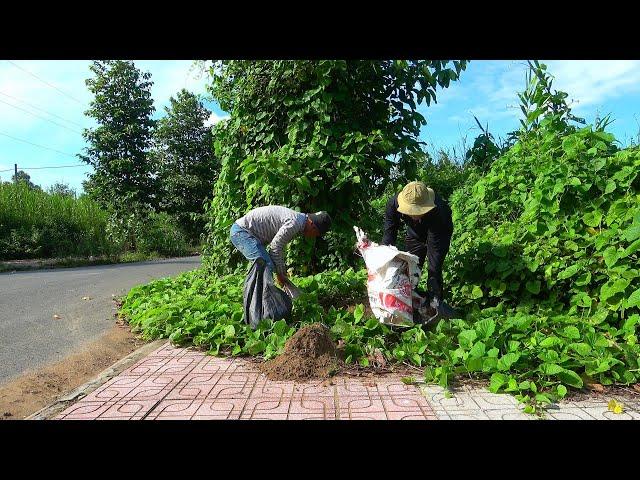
(35, 224)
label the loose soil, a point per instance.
(36, 389)
(309, 353)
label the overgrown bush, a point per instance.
(35, 224)
(315, 135)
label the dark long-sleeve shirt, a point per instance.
(432, 231)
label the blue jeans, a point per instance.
(250, 246)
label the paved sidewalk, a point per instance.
(177, 383)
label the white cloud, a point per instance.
(592, 82)
(214, 118)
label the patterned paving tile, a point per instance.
(211, 365)
(508, 414)
(267, 388)
(266, 408)
(174, 410)
(349, 407)
(194, 386)
(395, 388)
(602, 413)
(181, 384)
(363, 416)
(179, 365)
(460, 400)
(85, 410)
(568, 414)
(305, 406)
(220, 409)
(115, 389)
(128, 409)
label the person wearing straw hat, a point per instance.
(429, 230)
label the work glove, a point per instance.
(444, 310)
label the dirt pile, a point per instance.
(309, 353)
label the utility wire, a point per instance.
(40, 168)
(36, 145)
(38, 108)
(46, 83)
(40, 117)
(56, 166)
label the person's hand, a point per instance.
(282, 279)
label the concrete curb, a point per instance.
(63, 402)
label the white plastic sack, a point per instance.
(392, 278)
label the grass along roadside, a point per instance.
(70, 262)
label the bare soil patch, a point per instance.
(36, 389)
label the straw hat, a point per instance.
(416, 199)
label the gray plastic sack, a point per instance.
(262, 298)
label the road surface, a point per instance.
(30, 336)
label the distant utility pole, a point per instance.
(15, 167)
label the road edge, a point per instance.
(60, 404)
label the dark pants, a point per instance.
(419, 248)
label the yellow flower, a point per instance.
(616, 407)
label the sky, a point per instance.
(42, 105)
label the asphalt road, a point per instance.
(30, 336)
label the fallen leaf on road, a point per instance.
(57, 317)
(636, 387)
(616, 407)
(596, 386)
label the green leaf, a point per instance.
(550, 341)
(561, 391)
(551, 369)
(580, 348)
(571, 332)
(611, 186)
(476, 292)
(497, 380)
(592, 219)
(229, 331)
(569, 272)
(610, 256)
(611, 289)
(632, 233)
(505, 362)
(533, 286)
(485, 328)
(466, 338)
(633, 300)
(477, 350)
(358, 312)
(570, 378)
(634, 247)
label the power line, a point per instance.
(40, 168)
(42, 110)
(46, 83)
(40, 117)
(56, 166)
(36, 145)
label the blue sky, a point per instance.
(32, 110)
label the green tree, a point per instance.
(186, 162)
(119, 145)
(443, 173)
(24, 177)
(62, 189)
(316, 135)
